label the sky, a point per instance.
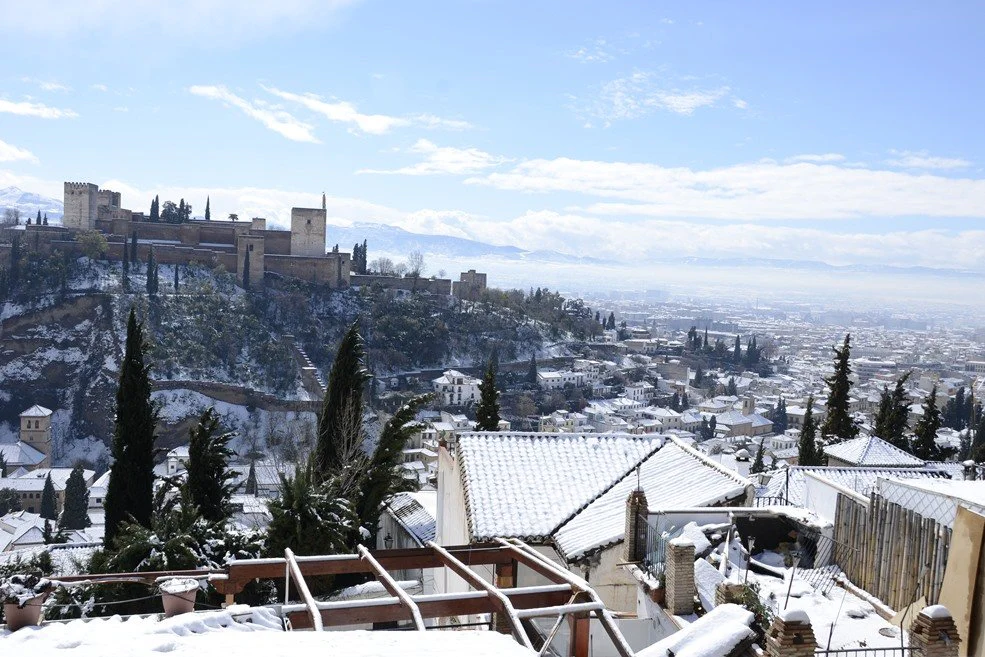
(841, 132)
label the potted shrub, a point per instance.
(22, 598)
(178, 595)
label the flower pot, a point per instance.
(659, 596)
(17, 617)
(178, 596)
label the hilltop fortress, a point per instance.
(296, 253)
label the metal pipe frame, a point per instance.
(392, 587)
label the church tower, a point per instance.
(36, 431)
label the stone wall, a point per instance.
(332, 270)
(254, 245)
(432, 285)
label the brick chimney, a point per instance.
(634, 547)
(933, 631)
(680, 576)
(791, 635)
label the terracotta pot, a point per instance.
(177, 601)
(659, 595)
(18, 617)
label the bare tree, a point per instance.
(415, 264)
(400, 269)
(11, 216)
(382, 266)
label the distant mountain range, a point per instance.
(382, 238)
(29, 203)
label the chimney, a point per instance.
(634, 546)
(970, 470)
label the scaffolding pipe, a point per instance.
(570, 608)
(392, 587)
(302, 587)
(495, 596)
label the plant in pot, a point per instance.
(22, 598)
(178, 595)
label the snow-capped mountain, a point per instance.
(29, 203)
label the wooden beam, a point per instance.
(434, 608)
(302, 586)
(392, 587)
(496, 597)
(579, 637)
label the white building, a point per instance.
(456, 389)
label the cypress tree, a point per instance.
(208, 467)
(838, 424)
(75, 515)
(151, 274)
(208, 210)
(383, 477)
(246, 271)
(894, 411)
(685, 402)
(731, 388)
(342, 409)
(131, 482)
(487, 413)
(925, 433)
(251, 480)
(675, 402)
(49, 509)
(38, 220)
(737, 351)
(712, 425)
(532, 370)
(45, 220)
(133, 248)
(807, 449)
(176, 277)
(3, 467)
(758, 465)
(155, 209)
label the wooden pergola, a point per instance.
(567, 598)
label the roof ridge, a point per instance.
(707, 461)
(606, 489)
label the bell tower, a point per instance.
(36, 431)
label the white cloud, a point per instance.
(47, 85)
(99, 87)
(341, 111)
(762, 190)
(740, 104)
(184, 20)
(11, 153)
(445, 160)
(595, 52)
(39, 110)
(272, 118)
(923, 160)
(817, 157)
(642, 93)
(121, 108)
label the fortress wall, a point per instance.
(278, 242)
(329, 269)
(434, 286)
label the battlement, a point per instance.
(81, 186)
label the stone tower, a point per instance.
(254, 244)
(81, 205)
(308, 231)
(36, 431)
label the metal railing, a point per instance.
(895, 651)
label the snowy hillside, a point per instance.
(29, 203)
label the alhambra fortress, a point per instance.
(299, 253)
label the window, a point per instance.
(309, 222)
(37, 424)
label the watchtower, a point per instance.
(36, 431)
(308, 231)
(81, 205)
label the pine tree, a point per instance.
(699, 376)
(246, 271)
(758, 465)
(808, 452)
(532, 370)
(487, 413)
(131, 482)
(342, 411)
(208, 210)
(75, 514)
(383, 478)
(208, 467)
(252, 488)
(731, 388)
(49, 509)
(925, 433)
(838, 424)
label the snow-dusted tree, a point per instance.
(49, 508)
(75, 514)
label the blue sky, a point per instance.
(842, 132)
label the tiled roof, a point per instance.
(523, 485)
(37, 411)
(789, 483)
(872, 451)
(411, 514)
(673, 476)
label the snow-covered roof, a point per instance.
(520, 484)
(872, 451)
(717, 633)
(789, 483)
(59, 476)
(673, 476)
(20, 453)
(37, 411)
(416, 518)
(244, 631)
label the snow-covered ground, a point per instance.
(222, 632)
